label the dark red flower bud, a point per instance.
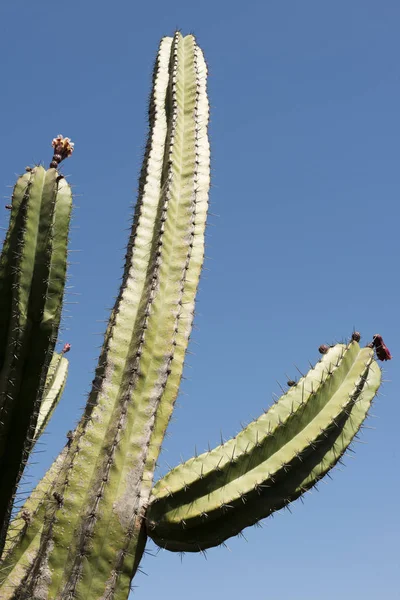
(67, 348)
(356, 337)
(323, 349)
(291, 383)
(382, 351)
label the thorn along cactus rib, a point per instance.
(82, 532)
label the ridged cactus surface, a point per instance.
(32, 278)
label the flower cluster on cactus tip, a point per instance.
(63, 147)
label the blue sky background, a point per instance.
(305, 136)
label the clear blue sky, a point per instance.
(305, 136)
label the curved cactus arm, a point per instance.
(54, 388)
(94, 531)
(32, 278)
(271, 462)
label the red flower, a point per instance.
(382, 351)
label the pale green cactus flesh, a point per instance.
(206, 500)
(94, 533)
(32, 278)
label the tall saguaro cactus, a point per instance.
(83, 531)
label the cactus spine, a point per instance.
(82, 532)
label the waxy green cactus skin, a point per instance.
(82, 533)
(32, 279)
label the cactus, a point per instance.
(32, 279)
(83, 531)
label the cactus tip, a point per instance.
(63, 147)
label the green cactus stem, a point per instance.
(212, 497)
(94, 532)
(32, 278)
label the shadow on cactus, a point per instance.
(83, 531)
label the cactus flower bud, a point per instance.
(63, 147)
(382, 351)
(323, 349)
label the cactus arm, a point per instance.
(54, 388)
(264, 436)
(282, 495)
(94, 531)
(33, 285)
(296, 448)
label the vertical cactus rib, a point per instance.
(222, 491)
(94, 530)
(9, 260)
(32, 279)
